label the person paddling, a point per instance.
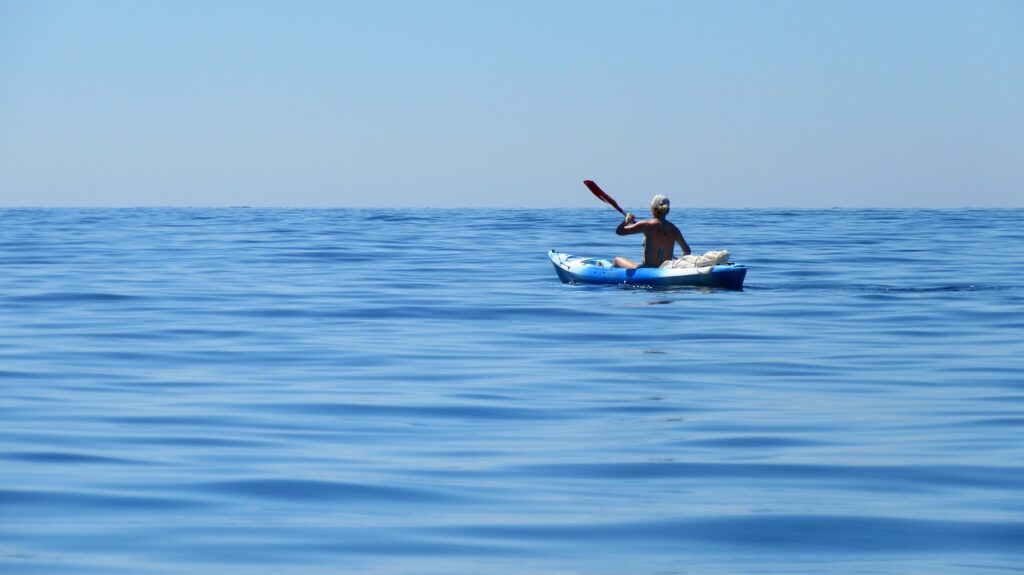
(660, 236)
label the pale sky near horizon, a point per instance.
(802, 104)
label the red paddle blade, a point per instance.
(597, 191)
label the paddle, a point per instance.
(602, 196)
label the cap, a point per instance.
(660, 202)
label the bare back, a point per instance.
(659, 242)
(660, 238)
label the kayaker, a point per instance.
(660, 236)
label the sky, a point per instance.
(731, 104)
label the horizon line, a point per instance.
(393, 208)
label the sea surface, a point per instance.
(305, 391)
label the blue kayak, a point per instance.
(580, 270)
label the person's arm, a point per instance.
(682, 242)
(629, 226)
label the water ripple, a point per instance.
(320, 492)
(278, 391)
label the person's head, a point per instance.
(659, 206)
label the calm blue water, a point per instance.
(330, 391)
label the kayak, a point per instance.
(579, 270)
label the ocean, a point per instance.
(313, 391)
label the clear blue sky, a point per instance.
(511, 104)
